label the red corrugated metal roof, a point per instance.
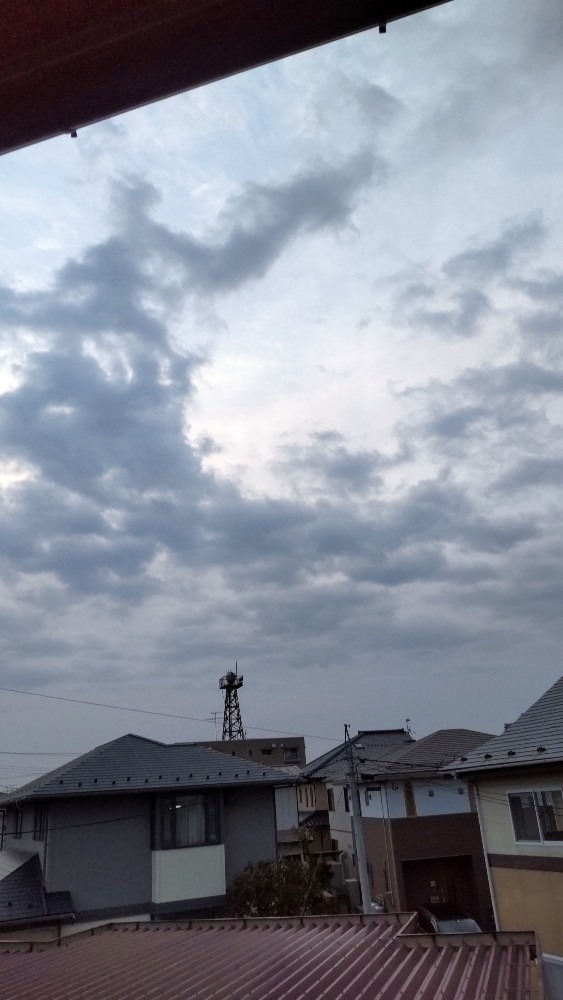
(333, 958)
(66, 63)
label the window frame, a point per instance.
(39, 820)
(18, 823)
(533, 793)
(211, 818)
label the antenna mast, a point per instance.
(232, 720)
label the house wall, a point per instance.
(496, 821)
(249, 829)
(435, 797)
(383, 800)
(531, 900)
(273, 753)
(526, 878)
(440, 797)
(99, 849)
(411, 857)
(26, 842)
(339, 820)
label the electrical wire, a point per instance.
(165, 715)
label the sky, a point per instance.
(281, 382)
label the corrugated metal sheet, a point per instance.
(66, 63)
(342, 958)
(133, 763)
(535, 739)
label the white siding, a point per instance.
(340, 822)
(388, 803)
(440, 797)
(188, 873)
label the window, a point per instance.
(290, 753)
(268, 753)
(39, 821)
(18, 822)
(189, 821)
(2, 827)
(410, 804)
(330, 797)
(537, 816)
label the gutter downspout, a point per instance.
(485, 854)
(385, 815)
(392, 871)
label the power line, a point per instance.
(166, 715)
(42, 753)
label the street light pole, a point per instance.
(357, 828)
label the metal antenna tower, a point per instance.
(232, 721)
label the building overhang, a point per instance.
(69, 63)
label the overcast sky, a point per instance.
(281, 381)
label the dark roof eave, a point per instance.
(148, 790)
(496, 769)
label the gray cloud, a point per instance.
(121, 540)
(455, 300)
(257, 225)
(491, 260)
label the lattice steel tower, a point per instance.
(232, 721)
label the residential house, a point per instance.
(324, 805)
(288, 754)
(517, 779)
(135, 827)
(420, 826)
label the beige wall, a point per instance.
(531, 900)
(525, 898)
(495, 818)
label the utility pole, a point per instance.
(357, 828)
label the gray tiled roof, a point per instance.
(133, 763)
(22, 898)
(424, 756)
(535, 739)
(333, 766)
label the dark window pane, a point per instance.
(550, 810)
(524, 817)
(189, 821)
(410, 804)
